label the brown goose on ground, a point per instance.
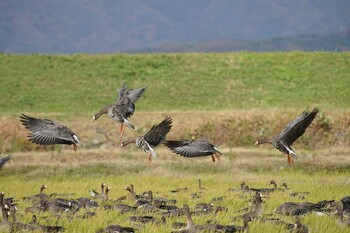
(200, 185)
(242, 185)
(301, 195)
(115, 229)
(255, 211)
(86, 202)
(346, 203)
(190, 226)
(290, 134)
(44, 228)
(123, 108)
(4, 160)
(18, 226)
(303, 208)
(2, 206)
(299, 228)
(122, 208)
(194, 148)
(265, 190)
(96, 195)
(232, 228)
(48, 132)
(142, 219)
(41, 196)
(152, 138)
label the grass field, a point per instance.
(232, 99)
(84, 83)
(323, 173)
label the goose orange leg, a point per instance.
(121, 130)
(290, 160)
(75, 147)
(217, 156)
(213, 158)
(149, 159)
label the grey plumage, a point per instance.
(193, 148)
(123, 108)
(48, 132)
(152, 138)
(291, 133)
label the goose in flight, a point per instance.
(290, 134)
(48, 132)
(123, 108)
(152, 138)
(194, 148)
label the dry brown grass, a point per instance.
(236, 128)
(235, 160)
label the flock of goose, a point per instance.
(150, 209)
(48, 132)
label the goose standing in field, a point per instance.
(115, 229)
(194, 148)
(48, 132)
(45, 228)
(123, 108)
(152, 138)
(4, 160)
(300, 195)
(290, 134)
(191, 227)
(18, 226)
(95, 194)
(41, 196)
(200, 185)
(232, 228)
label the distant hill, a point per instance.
(82, 26)
(337, 42)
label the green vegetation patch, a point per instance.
(211, 81)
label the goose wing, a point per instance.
(132, 95)
(4, 160)
(121, 94)
(135, 94)
(48, 132)
(158, 132)
(297, 127)
(189, 148)
(124, 104)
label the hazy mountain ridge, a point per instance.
(121, 26)
(337, 42)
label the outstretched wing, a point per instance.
(297, 127)
(135, 94)
(46, 132)
(4, 160)
(129, 96)
(126, 99)
(158, 132)
(188, 148)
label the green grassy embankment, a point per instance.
(84, 83)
